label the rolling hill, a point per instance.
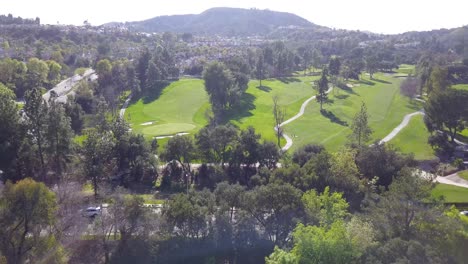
(223, 21)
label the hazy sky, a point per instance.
(380, 16)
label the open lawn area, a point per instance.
(452, 194)
(180, 108)
(385, 106)
(257, 110)
(461, 86)
(413, 139)
(463, 174)
(406, 69)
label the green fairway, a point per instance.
(463, 174)
(461, 86)
(413, 139)
(258, 112)
(452, 194)
(180, 108)
(385, 105)
(406, 69)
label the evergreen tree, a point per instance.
(360, 127)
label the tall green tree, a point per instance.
(97, 153)
(278, 114)
(334, 66)
(58, 135)
(447, 110)
(216, 144)
(372, 64)
(326, 208)
(360, 127)
(27, 215)
(218, 84)
(54, 74)
(37, 73)
(35, 110)
(9, 118)
(438, 80)
(260, 68)
(182, 150)
(141, 67)
(282, 201)
(322, 88)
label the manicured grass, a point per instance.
(413, 139)
(461, 86)
(406, 69)
(385, 106)
(179, 108)
(463, 174)
(452, 194)
(257, 110)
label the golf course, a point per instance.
(179, 109)
(183, 108)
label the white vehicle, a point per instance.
(92, 212)
(464, 213)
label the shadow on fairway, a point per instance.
(333, 118)
(153, 93)
(366, 82)
(347, 89)
(381, 81)
(341, 96)
(243, 110)
(288, 79)
(264, 88)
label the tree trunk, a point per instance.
(41, 156)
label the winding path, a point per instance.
(124, 107)
(289, 141)
(402, 125)
(452, 179)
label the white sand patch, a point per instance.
(171, 136)
(147, 124)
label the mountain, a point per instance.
(223, 21)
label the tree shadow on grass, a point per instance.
(381, 81)
(366, 82)
(342, 96)
(288, 79)
(333, 118)
(243, 110)
(154, 92)
(264, 88)
(347, 89)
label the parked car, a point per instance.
(464, 213)
(91, 212)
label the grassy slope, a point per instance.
(384, 103)
(258, 113)
(180, 108)
(413, 138)
(452, 194)
(463, 174)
